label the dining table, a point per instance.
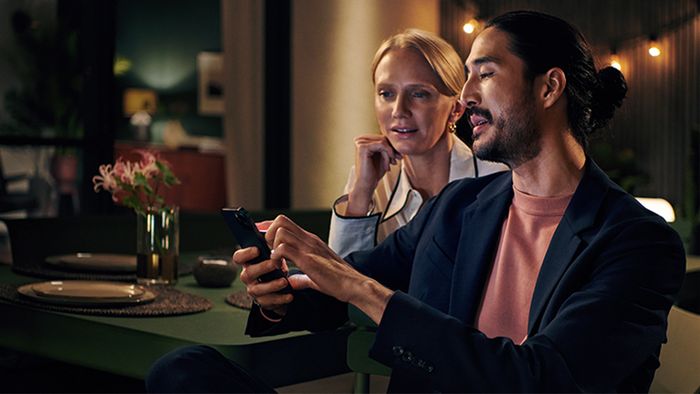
(128, 346)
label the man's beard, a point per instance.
(515, 139)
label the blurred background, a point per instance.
(256, 102)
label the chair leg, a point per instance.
(361, 383)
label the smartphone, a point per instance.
(246, 233)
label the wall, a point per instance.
(333, 42)
(663, 102)
(243, 31)
(161, 40)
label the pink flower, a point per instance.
(105, 180)
(148, 163)
(136, 184)
(125, 171)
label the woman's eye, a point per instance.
(485, 75)
(421, 94)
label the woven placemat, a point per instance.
(168, 302)
(44, 270)
(240, 299)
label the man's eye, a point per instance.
(485, 75)
(385, 94)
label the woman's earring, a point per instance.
(452, 127)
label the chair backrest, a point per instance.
(16, 201)
(680, 357)
(3, 182)
(34, 239)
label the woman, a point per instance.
(417, 78)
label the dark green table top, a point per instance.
(129, 345)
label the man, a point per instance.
(546, 278)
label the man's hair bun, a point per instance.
(611, 90)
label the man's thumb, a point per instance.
(300, 282)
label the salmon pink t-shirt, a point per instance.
(525, 237)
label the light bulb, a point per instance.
(654, 50)
(470, 27)
(615, 64)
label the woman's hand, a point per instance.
(323, 269)
(373, 156)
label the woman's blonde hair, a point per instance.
(440, 55)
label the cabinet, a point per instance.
(202, 185)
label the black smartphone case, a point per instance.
(246, 233)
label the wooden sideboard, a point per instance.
(202, 185)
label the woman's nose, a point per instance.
(401, 108)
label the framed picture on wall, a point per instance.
(210, 70)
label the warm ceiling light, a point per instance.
(616, 64)
(470, 26)
(614, 60)
(654, 50)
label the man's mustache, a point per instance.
(481, 112)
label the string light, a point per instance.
(615, 60)
(654, 49)
(470, 27)
(614, 63)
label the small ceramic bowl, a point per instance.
(215, 271)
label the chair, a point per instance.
(15, 201)
(34, 239)
(680, 357)
(359, 343)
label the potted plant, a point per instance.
(688, 222)
(46, 102)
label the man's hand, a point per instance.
(324, 270)
(265, 294)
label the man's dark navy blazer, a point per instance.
(598, 314)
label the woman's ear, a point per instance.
(554, 83)
(457, 111)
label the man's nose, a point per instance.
(469, 96)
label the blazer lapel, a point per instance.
(562, 251)
(481, 229)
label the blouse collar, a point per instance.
(461, 166)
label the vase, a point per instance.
(157, 246)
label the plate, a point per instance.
(87, 293)
(95, 262)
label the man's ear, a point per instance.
(554, 83)
(457, 111)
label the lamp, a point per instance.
(139, 105)
(654, 49)
(659, 206)
(471, 26)
(614, 63)
(615, 60)
(136, 100)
